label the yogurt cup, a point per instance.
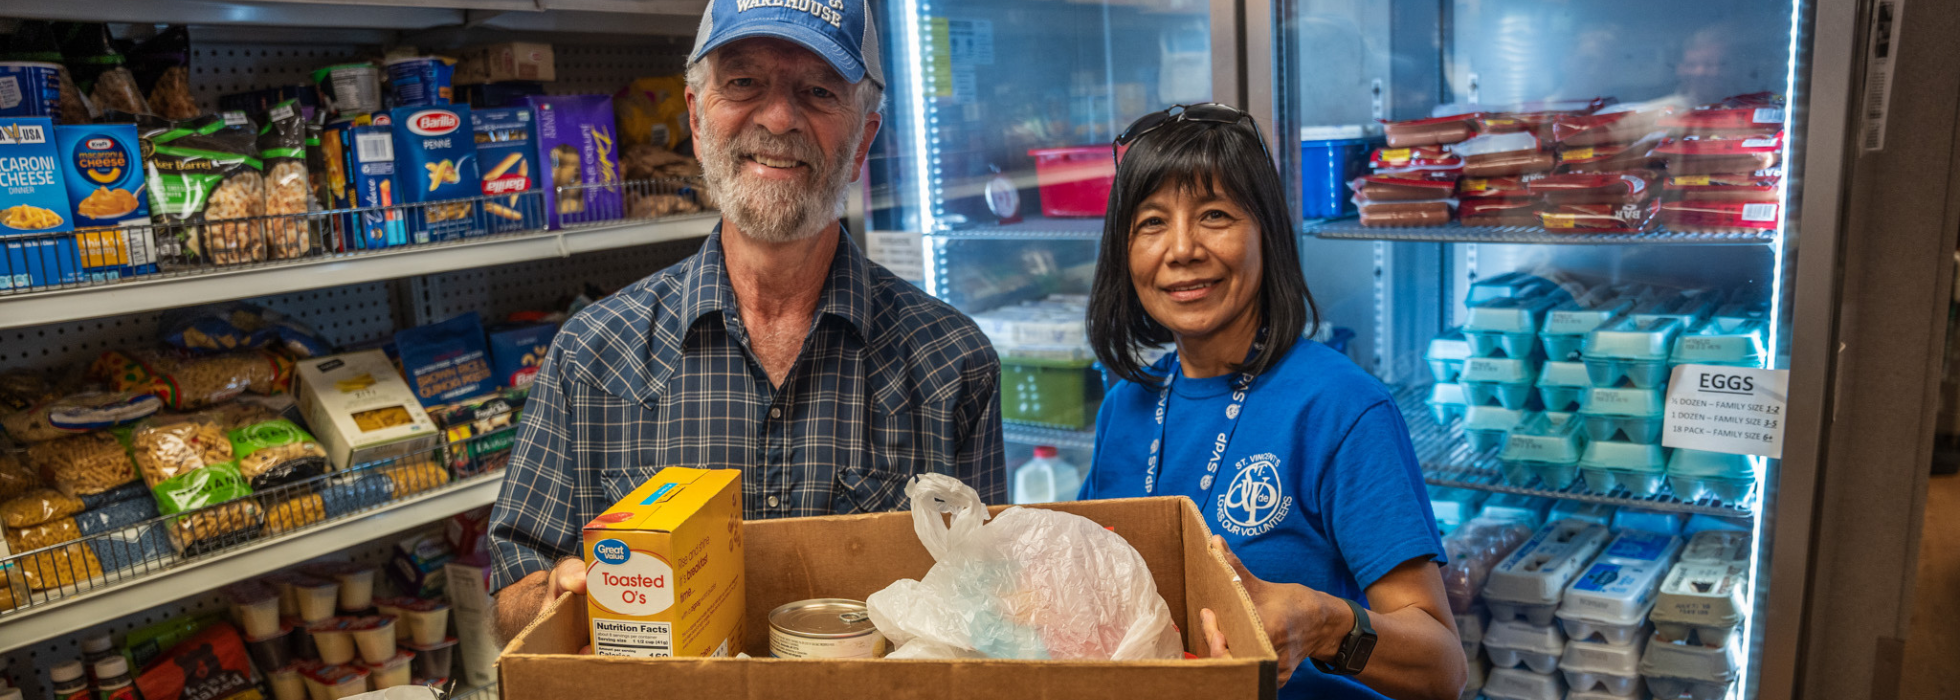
(333, 640)
(356, 587)
(287, 683)
(392, 607)
(255, 607)
(391, 672)
(374, 637)
(301, 638)
(288, 599)
(1512, 642)
(1614, 669)
(1520, 684)
(274, 651)
(316, 599)
(432, 660)
(333, 681)
(428, 620)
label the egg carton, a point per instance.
(1649, 521)
(1529, 583)
(1613, 594)
(1564, 333)
(1736, 314)
(1688, 307)
(1512, 643)
(1695, 488)
(1484, 427)
(1605, 667)
(1718, 547)
(1454, 506)
(1740, 346)
(1446, 355)
(1475, 670)
(1617, 633)
(1640, 546)
(1581, 510)
(1562, 386)
(1637, 468)
(1692, 671)
(1517, 507)
(1446, 402)
(1521, 684)
(1700, 603)
(1630, 351)
(1631, 415)
(1546, 447)
(1509, 284)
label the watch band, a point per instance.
(1355, 649)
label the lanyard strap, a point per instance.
(1240, 388)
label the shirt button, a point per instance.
(775, 413)
(773, 501)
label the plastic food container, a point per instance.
(1632, 415)
(428, 620)
(287, 683)
(1698, 672)
(255, 607)
(1517, 507)
(1563, 334)
(1590, 512)
(332, 681)
(432, 660)
(288, 598)
(1562, 386)
(1694, 475)
(1639, 469)
(374, 636)
(1699, 603)
(1631, 351)
(1507, 326)
(1485, 426)
(1074, 181)
(1610, 601)
(356, 587)
(271, 651)
(1619, 633)
(1590, 666)
(1719, 547)
(1454, 506)
(1506, 382)
(1330, 156)
(1447, 402)
(1446, 355)
(1737, 346)
(391, 672)
(1512, 642)
(333, 640)
(1641, 547)
(1520, 684)
(1649, 521)
(1530, 582)
(1546, 447)
(316, 599)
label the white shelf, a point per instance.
(172, 291)
(78, 611)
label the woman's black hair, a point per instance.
(1208, 158)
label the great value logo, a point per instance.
(433, 122)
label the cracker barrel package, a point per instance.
(36, 202)
(104, 171)
(435, 156)
(664, 565)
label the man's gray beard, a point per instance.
(773, 211)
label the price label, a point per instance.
(1735, 410)
(902, 252)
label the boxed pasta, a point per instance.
(375, 185)
(103, 166)
(36, 203)
(507, 150)
(436, 165)
(578, 143)
(361, 410)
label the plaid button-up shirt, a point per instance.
(890, 383)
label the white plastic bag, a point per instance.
(1033, 584)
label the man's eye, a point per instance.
(822, 92)
(742, 82)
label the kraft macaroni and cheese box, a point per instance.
(436, 158)
(664, 570)
(35, 202)
(103, 166)
(375, 185)
(507, 153)
(577, 142)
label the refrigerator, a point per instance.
(988, 181)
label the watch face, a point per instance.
(1358, 657)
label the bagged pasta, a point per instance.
(294, 513)
(200, 488)
(78, 413)
(416, 477)
(115, 91)
(135, 490)
(203, 173)
(277, 452)
(169, 448)
(216, 527)
(36, 507)
(16, 477)
(288, 190)
(82, 464)
(48, 534)
(231, 326)
(195, 382)
(68, 567)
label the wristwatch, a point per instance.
(1355, 649)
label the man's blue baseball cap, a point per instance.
(840, 31)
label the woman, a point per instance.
(1299, 459)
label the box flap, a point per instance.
(666, 500)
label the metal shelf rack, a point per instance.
(1453, 232)
(1031, 228)
(1025, 434)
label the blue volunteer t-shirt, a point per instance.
(1318, 485)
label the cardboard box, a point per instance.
(435, 165)
(507, 155)
(578, 144)
(333, 390)
(517, 60)
(36, 202)
(853, 556)
(103, 166)
(664, 567)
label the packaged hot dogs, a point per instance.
(1498, 212)
(1406, 214)
(1594, 188)
(1401, 188)
(1495, 187)
(1709, 155)
(1719, 217)
(1514, 153)
(1720, 188)
(1608, 128)
(1420, 158)
(1743, 114)
(1610, 158)
(1632, 217)
(1434, 131)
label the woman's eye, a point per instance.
(1216, 215)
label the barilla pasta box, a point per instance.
(664, 570)
(375, 185)
(578, 143)
(103, 166)
(36, 202)
(436, 158)
(507, 153)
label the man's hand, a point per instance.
(568, 575)
(1297, 618)
(520, 603)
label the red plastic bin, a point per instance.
(1074, 181)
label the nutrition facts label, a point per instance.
(1736, 410)
(629, 638)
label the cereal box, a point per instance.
(664, 567)
(577, 141)
(36, 202)
(437, 163)
(507, 151)
(103, 166)
(374, 184)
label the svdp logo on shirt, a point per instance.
(1255, 500)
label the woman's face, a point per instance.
(1195, 260)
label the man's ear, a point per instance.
(871, 123)
(693, 115)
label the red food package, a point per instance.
(1594, 188)
(211, 664)
(1720, 217)
(1730, 118)
(1723, 188)
(1406, 214)
(1393, 160)
(1716, 155)
(1598, 218)
(1599, 129)
(1537, 123)
(1402, 188)
(1492, 187)
(1498, 212)
(1430, 132)
(1609, 158)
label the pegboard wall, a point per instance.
(219, 69)
(602, 69)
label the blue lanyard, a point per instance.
(1240, 387)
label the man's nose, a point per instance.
(778, 112)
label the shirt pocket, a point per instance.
(616, 482)
(866, 490)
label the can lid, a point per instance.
(96, 643)
(823, 617)
(66, 671)
(111, 667)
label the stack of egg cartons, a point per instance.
(1627, 364)
(1732, 337)
(1478, 367)
(1453, 506)
(1523, 593)
(1604, 613)
(1696, 650)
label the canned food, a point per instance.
(824, 628)
(30, 89)
(419, 81)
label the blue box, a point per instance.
(375, 186)
(507, 154)
(1326, 167)
(516, 352)
(436, 156)
(103, 166)
(35, 203)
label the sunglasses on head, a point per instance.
(1208, 112)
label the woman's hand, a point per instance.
(1297, 618)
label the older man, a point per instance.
(778, 349)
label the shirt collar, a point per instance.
(846, 293)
